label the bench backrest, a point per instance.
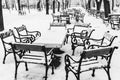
(114, 18)
(98, 52)
(28, 46)
(108, 38)
(38, 54)
(57, 25)
(21, 30)
(8, 36)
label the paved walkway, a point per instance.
(39, 21)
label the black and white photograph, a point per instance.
(59, 39)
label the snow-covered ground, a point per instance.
(40, 21)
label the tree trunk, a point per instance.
(19, 8)
(6, 4)
(85, 4)
(28, 6)
(63, 5)
(1, 17)
(89, 4)
(58, 6)
(47, 6)
(106, 7)
(98, 4)
(53, 6)
(112, 4)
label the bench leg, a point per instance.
(93, 74)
